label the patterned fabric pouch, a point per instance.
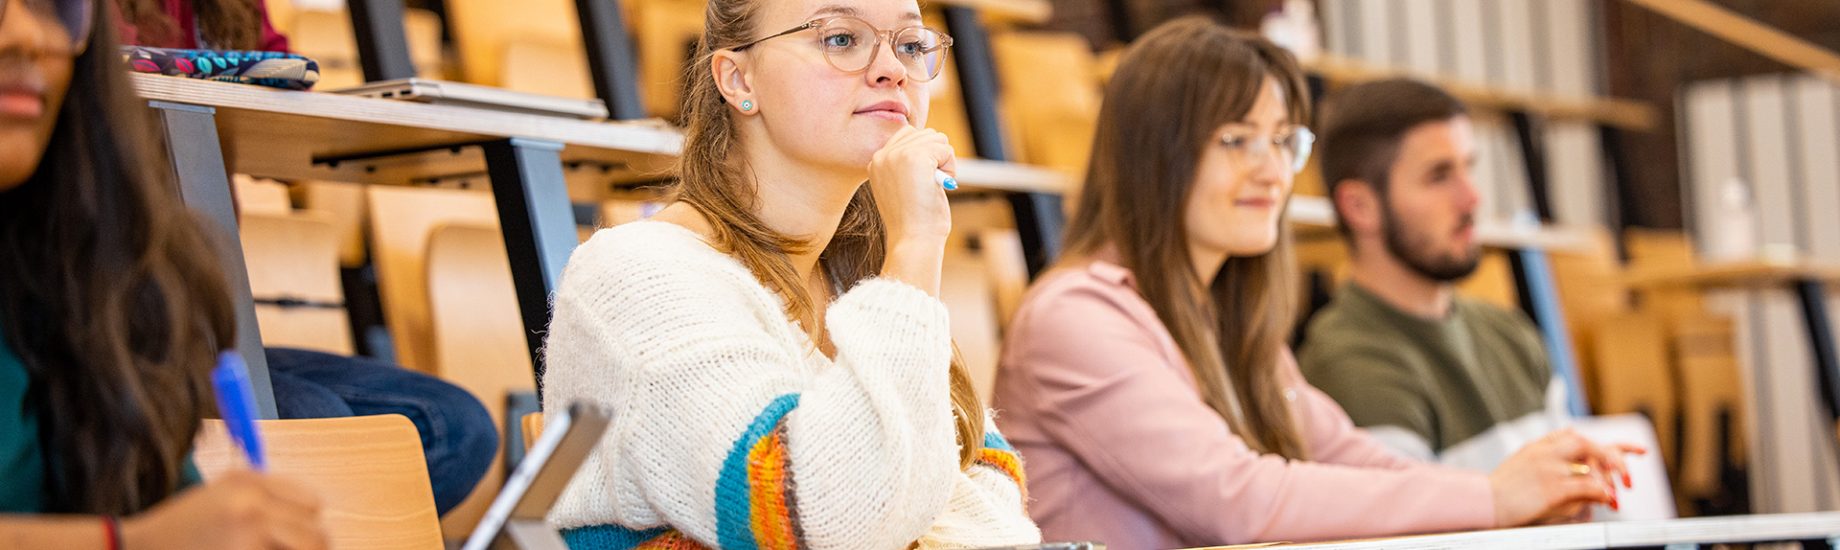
(271, 69)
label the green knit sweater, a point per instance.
(1475, 383)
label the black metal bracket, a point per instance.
(333, 161)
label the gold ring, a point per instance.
(1580, 469)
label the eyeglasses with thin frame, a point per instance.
(847, 47)
(73, 16)
(1248, 149)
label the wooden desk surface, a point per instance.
(1742, 274)
(280, 134)
(1626, 534)
(979, 174)
(1314, 218)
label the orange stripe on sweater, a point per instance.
(771, 517)
(1008, 463)
(671, 540)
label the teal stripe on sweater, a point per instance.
(994, 440)
(608, 537)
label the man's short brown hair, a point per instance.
(1363, 124)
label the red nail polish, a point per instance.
(1627, 482)
(1615, 506)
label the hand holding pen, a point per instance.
(909, 176)
(235, 509)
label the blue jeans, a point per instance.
(458, 437)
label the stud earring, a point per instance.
(747, 105)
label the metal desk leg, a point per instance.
(1039, 217)
(1121, 18)
(1616, 195)
(1533, 155)
(1039, 221)
(539, 227)
(977, 79)
(383, 46)
(1813, 296)
(610, 57)
(1540, 299)
(197, 162)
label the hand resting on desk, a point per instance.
(1556, 477)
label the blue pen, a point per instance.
(945, 180)
(236, 403)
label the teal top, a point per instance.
(22, 455)
(22, 460)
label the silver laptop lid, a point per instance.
(472, 95)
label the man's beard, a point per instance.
(1414, 250)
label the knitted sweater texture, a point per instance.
(731, 430)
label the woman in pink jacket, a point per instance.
(1146, 379)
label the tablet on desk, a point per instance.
(515, 519)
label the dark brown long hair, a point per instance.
(713, 180)
(223, 24)
(1173, 88)
(110, 295)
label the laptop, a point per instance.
(441, 92)
(516, 518)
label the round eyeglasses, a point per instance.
(1247, 149)
(850, 45)
(73, 18)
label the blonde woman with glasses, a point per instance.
(771, 343)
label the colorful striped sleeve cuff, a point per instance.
(755, 508)
(998, 454)
(754, 502)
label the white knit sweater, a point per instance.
(731, 430)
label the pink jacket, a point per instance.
(1120, 448)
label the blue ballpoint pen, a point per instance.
(945, 180)
(236, 403)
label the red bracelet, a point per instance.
(111, 532)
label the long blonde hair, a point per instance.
(1153, 128)
(714, 180)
